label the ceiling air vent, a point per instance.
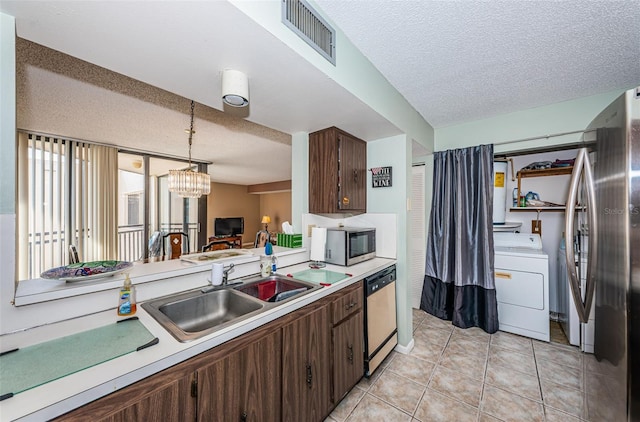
(304, 21)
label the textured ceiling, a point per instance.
(454, 61)
(62, 95)
(457, 61)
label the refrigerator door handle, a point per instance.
(592, 253)
(582, 166)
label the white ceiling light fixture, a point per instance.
(235, 88)
(189, 183)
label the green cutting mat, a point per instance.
(320, 276)
(38, 364)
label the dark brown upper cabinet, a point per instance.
(337, 173)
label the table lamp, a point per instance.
(266, 220)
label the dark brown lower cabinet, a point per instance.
(161, 397)
(296, 368)
(348, 355)
(243, 386)
(306, 367)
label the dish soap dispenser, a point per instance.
(272, 260)
(127, 298)
(266, 261)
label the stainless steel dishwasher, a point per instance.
(381, 332)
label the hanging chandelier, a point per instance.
(189, 183)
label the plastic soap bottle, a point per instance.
(274, 264)
(270, 258)
(127, 298)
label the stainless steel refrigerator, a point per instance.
(606, 182)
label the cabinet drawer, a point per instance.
(347, 304)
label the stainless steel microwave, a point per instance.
(350, 245)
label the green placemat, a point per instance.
(38, 364)
(320, 276)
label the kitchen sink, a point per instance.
(191, 315)
(196, 313)
(276, 288)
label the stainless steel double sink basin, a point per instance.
(196, 313)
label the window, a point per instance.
(134, 210)
(167, 212)
(104, 202)
(66, 197)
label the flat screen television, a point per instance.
(228, 226)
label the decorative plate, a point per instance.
(87, 270)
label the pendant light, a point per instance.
(189, 183)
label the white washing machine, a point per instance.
(522, 284)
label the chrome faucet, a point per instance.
(225, 274)
(225, 281)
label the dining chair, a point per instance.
(216, 245)
(176, 241)
(262, 237)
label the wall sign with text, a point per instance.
(381, 177)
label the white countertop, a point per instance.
(60, 396)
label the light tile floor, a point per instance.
(468, 375)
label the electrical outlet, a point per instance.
(309, 227)
(536, 227)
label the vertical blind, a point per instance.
(67, 195)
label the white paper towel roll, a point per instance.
(318, 241)
(217, 273)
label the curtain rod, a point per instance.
(554, 135)
(120, 149)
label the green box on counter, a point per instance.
(290, 240)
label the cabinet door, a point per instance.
(353, 173)
(348, 355)
(306, 370)
(323, 172)
(337, 172)
(243, 386)
(165, 396)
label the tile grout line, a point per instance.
(536, 361)
(426, 386)
(433, 371)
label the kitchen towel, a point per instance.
(318, 241)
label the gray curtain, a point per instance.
(459, 283)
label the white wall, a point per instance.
(556, 118)
(8, 115)
(299, 179)
(7, 170)
(395, 152)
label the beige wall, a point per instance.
(278, 207)
(227, 200)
